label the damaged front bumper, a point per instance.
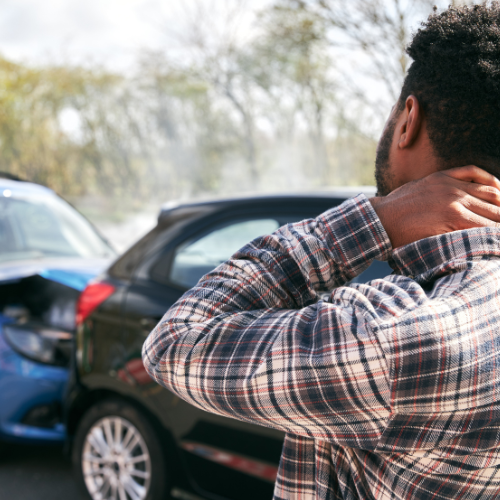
(37, 318)
(31, 393)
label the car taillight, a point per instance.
(94, 295)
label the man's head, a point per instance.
(448, 113)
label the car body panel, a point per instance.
(25, 384)
(74, 273)
(23, 188)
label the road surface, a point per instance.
(36, 473)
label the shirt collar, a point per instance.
(438, 255)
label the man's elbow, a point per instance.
(157, 344)
(149, 358)
(154, 347)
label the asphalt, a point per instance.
(36, 473)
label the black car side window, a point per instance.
(197, 257)
(203, 253)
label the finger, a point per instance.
(486, 193)
(471, 173)
(473, 220)
(482, 209)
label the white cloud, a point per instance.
(105, 31)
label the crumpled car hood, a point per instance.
(72, 272)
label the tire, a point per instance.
(117, 454)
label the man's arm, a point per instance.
(446, 201)
(250, 341)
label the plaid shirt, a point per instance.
(388, 390)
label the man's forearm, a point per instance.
(443, 202)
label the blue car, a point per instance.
(48, 253)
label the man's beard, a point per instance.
(383, 174)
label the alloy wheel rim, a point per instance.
(116, 464)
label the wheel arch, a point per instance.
(89, 398)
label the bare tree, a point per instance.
(215, 40)
(374, 34)
(290, 59)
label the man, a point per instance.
(389, 390)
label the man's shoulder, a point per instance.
(447, 289)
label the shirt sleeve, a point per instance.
(251, 341)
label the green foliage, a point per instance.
(33, 142)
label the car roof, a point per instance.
(23, 188)
(221, 203)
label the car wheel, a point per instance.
(117, 454)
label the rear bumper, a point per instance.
(29, 390)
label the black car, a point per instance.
(132, 439)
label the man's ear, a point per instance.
(412, 120)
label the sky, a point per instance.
(109, 32)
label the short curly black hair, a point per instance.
(455, 75)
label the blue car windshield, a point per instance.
(37, 227)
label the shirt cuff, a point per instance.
(354, 232)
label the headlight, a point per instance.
(40, 344)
